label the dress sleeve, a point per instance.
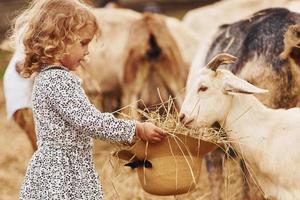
(68, 98)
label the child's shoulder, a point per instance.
(55, 75)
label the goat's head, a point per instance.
(209, 98)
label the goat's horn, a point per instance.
(222, 58)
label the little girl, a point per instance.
(55, 42)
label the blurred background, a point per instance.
(176, 8)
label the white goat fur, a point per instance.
(269, 139)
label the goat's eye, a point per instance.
(202, 89)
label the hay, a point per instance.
(166, 116)
(169, 122)
(185, 153)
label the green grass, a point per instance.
(4, 59)
(2, 70)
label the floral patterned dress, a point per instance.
(62, 167)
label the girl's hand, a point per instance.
(149, 132)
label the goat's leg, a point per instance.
(246, 195)
(130, 104)
(214, 162)
(111, 101)
(174, 83)
(246, 179)
(131, 90)
(24, 118)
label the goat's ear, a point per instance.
(234, 85)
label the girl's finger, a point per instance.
(158, 130)
(158, 135)
(155, 139)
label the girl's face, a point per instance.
(78, 50)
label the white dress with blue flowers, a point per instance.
(62, 167)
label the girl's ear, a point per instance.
(234, 85)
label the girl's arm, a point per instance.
(68, 98)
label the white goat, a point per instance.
(269, 139)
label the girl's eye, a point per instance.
(202, 89)
(83, 43)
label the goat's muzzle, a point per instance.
(184, 120)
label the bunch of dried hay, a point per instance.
(166, 116)
(123, 183)
(173, 166)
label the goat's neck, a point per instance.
(246, 119)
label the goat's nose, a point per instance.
(181, 117)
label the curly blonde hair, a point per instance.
(47, 27)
